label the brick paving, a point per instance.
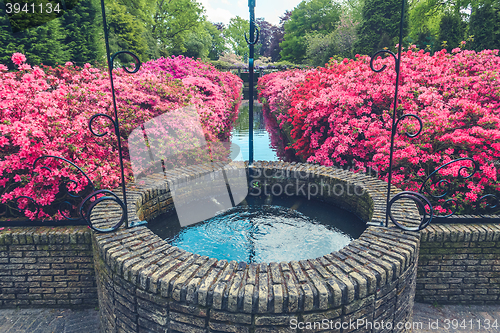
(456, 318)
(49, 321)
(87, 320)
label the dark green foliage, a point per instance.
(8, 46)
(29, 14)
(76, 37)
(484, 25)
(380, 25)
(452, 29)
(84, 34)
(126, 32)
(43, 44)
(425, 40)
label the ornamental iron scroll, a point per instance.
(444, 188)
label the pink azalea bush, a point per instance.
(342, 114)
(45, 111)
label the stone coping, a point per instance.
(47, 267)
(379, 257)
(461, 233)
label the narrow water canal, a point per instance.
(268, 144)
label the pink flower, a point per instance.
(18, 58)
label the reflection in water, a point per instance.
(268, 143)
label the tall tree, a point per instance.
(172, 22)
(24, 15)
(198, 43)
(235, 34)
(45, 44)
(380, 25)
(9, 43)
(340, 42)
(452, 29)
(266, 30)
(320, 48)
(309, 16)
(83, 33)
(345, 34)
(126, 31)
(484, 25)
(278, 34)
(217, 41)
(424, 19)
(38, 35)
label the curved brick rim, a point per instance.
(145, 284)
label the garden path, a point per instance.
(87, 320)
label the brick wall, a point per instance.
(46, 266)
(459, 264)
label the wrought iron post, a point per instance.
(251, 43)
(116, 123)
(418, 198)
(394, 126)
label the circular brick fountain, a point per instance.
(147, 285)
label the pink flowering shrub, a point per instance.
(217, 90)
(45, 111)
(275, 90)
(342, 114)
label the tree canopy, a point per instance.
(380, 25)
(309, 16)
(312, 33)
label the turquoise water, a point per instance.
(270, 229)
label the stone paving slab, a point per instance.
(456, 318)
(49, 321)
(433, 319)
